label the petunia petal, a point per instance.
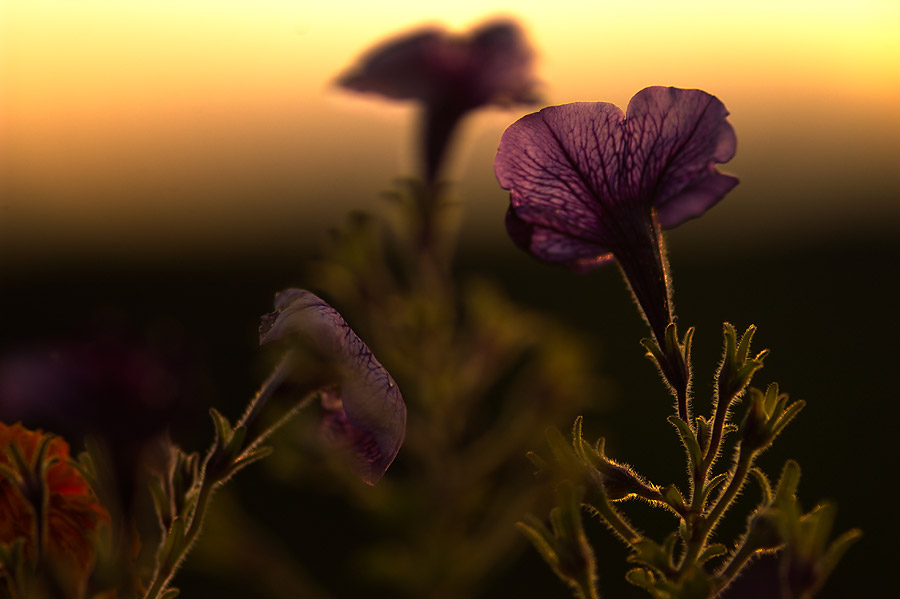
(675, 139)
(552, 246)
(561, 166)
(401, 68)
(695, 199)
(453, 73)
(369, 396)
(362, 446)
(501, 64)
(584, 178)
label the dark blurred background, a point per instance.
(166, 170)
(825, 309)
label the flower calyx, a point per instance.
(766, 417)
(737, 367)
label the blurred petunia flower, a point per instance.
(450, 75)
(71, 513)
(363, 410)
(589, 183)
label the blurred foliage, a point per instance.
(482, 377)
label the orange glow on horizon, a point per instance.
(190, 110)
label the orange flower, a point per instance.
(73, 513)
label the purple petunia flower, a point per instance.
(589, 184)
(450, 75)
(364, 411)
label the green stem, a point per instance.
(279, 375)
(168, 564)
(587, 589)
(699, 481)
(738, 478)
(734, 566)
(712, 449)
(745, 461)
(701, 471)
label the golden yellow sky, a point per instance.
(214, 121)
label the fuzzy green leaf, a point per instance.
(223, 428)
(654, 353)
(743, 348)
(641, 577)
(236, 443)
(764, 485)
(714, 550)
(837, 550)
(542, 539)
(160, 502)
(674, 498)
(789, 414)
(649, 553)
(787, 484)
(560, 448)
(687, 437)
(702, 432)
(686, 344)
(540, 463)
(174, 543)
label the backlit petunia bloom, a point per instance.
(73, 512)
(589, 184)
(364, 411)
(450, 75)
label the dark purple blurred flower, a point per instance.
(589, 184)
(450, 75)
(364, 411)
(124, 393)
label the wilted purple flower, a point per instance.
(450, 75)
(589, 184)
(364, 410)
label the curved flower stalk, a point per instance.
(364, 411)
(49, 514)
(450, 75)
(364, 415)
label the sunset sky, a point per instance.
(167, 126)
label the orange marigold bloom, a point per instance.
(73, 512)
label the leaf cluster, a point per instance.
(689, 563)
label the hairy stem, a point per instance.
(701, 471)
(721, 413)
(168, 564)
(258, 403)
(738, 477)
(733, 567)
(645, 266)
